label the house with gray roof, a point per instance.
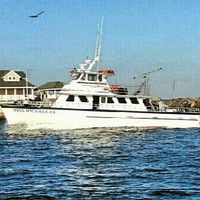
(50, 90)
(14, 86)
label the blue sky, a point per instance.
(138, 36)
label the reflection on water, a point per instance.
(99, 164)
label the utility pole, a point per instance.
(27, 82)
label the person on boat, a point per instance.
(161, 105)
(26, 102)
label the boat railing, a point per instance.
(178, 109)
(34, 103)
(183, 109)
(128, 89)
(40, 103)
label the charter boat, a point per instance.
(89, 101)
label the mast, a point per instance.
(146, 80)
(145, 84)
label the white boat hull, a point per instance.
(77, 118)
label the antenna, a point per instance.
(174, 83)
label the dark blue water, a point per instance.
(100, 164)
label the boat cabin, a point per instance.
(90, 77)
(90, 90)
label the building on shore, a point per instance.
(50, 90)
(14, 86)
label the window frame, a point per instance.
(110, 100)
(122, 100)
(134, 100)
(81, 98)
(70, 98)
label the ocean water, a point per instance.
(99, 164)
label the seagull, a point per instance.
(34, 16)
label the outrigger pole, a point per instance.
(100, 39)
(98, 45)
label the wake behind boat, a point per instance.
(89, 101)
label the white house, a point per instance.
(14, 86)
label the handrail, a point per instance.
(35, 103)
(184, 109)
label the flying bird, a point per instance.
(34, 16)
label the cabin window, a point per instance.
(70, 98)
(92, 77)
(83, 98)
(121, 100)
(110, 100)
(103, 99)
(83, 77)
(51, 92)
(146, 102)
(134, 100)
(100, 77)
(77, 76)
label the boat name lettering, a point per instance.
(34, 111)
